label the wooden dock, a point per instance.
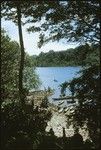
(65, 98)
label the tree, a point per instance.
(30, 79)
(77, 21)
(15, 15)
(10, 52)
(21, 89)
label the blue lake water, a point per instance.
(54, 76)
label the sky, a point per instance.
(31, 40)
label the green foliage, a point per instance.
(30, 79)
(9, 65)
(44, 103)
(87, 90)
(81, 55)
(22, 129)
(10, 59)
(93, 56)
(76, 21)
(29, 61)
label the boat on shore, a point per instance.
(60, 103)
(70, 98)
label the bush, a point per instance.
(20, 129)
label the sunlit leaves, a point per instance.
(30, 79)
(10, 52)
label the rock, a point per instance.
(61, 110)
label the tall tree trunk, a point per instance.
(21, 90)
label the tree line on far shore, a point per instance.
(79, 56)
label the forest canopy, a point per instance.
(80, 56)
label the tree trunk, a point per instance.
(21, 90)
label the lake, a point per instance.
(54, 76)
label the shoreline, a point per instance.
(62, 120)
(60, 117)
